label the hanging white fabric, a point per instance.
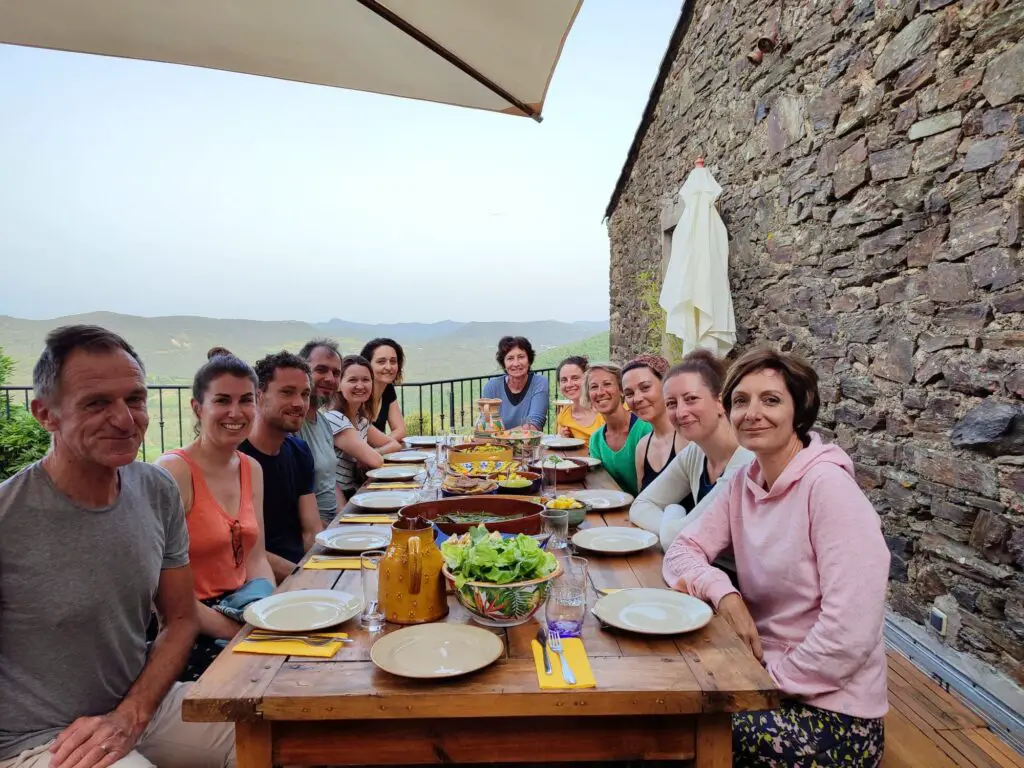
(695, 293)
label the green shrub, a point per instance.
(414, 427)
(22, 441)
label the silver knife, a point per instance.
(542, 638)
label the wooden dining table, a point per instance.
(656, 698)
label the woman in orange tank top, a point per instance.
(222, 492)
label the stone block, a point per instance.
(962, 192)
(951, 470)
(951, 91)
(935, 125)
(996, 121)
(1015, 545)
(1004, 77)
(785, 123)
(866, 108)
(937, 151)
(995, 268)
(880, 451)
(963, 559)
(911, 42)
(985, 153)
(955, 513)
(1009, 303)
(851, 169)
(1006, 23)
(972, 317)
(891, 163)
(888, 240)
(909, 194)
(862, 328)
(914, 398)
(930, 343)
(999, 180)
(868, 204)
(994, 427)
(1002, 340)
(949, 283)
(896, 362)
(859, 388)
(976, 228)
(973, 376)
(990, 535)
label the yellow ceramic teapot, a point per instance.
(411, 585)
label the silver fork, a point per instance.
(315, 641)
(555, 643)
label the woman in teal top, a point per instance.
(614, 443)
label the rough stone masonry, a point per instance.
(873, 193)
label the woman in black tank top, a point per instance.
(650, 473)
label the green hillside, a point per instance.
(174, 347)
(595, 348)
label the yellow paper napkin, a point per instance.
(367, 519)
(293, 647)
(393, 486)
(333, 564)
(575, 654)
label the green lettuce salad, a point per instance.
(482, 556)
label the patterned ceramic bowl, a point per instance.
(503, 605)
(485, 468)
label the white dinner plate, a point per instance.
(599, 498)
(407, 457)
(589, 460)
(614, 540)
(393, 473)
(303, 610)
(653, 611)
(387, 500)
(352, 538)
(423, 441)
(561, 443)
(436, 650)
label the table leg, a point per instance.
(714, 741)
(252, 744)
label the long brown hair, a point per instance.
(338, 402)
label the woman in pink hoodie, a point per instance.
(812, 568)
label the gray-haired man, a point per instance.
(324, 358)
(90, 541)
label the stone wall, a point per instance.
(875, 204)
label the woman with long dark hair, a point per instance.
(222, 491)
(387, 361)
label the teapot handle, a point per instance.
(415, 565)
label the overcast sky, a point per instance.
(156, 189)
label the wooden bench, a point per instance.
(929, 728)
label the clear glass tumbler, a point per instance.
(372, 617)
(566, 609)
(555, 522)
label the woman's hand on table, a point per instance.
(734, 610)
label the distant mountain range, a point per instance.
(174, 347)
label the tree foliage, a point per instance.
(22, 440)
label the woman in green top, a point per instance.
(614, 443)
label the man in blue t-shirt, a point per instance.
(291, 520)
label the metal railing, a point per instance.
(429, 408)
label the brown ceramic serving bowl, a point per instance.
(577, 474)
(499, 506)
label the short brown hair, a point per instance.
(800, 378)
(61, 342)
(711, 369)
(507, 343)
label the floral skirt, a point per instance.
(798, 736)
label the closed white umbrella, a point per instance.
(495, 55)
(695, 294)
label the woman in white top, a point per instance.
(357, 443)
(693, 397)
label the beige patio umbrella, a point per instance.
(695, 293)
(495, 55)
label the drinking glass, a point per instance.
(549, 477)
(574, 571)
(566, 609)
(372, 617)
(555, 522)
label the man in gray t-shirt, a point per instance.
(324, 358)
(91, 541)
